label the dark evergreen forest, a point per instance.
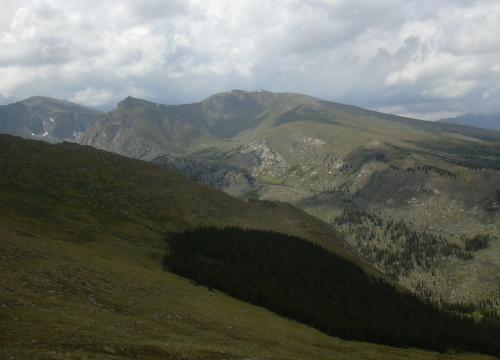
(303, 281)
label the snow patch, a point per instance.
(76, 135)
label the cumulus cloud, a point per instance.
(421, 58)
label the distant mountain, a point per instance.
(477, 120)
(145, 130)
(46, 119)
(142, 129)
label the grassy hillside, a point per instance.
(63, 300)
(80, 256)
(69, 183)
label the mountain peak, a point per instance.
(131, 102)
(242, 95)
(38, 98)
(45, 100)
(238, 91)
(46, 118)
(53, 104)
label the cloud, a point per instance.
(414, 57)
(92, 97)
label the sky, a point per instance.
(424, 59)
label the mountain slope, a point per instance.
(240, 115)
(478, 120)
(46, 119)
(81, 249)
(81, 241)
(112, 191)
(232, 180)
(439, 179)
(144, 130)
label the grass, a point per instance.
(81, 244)
(102, 300)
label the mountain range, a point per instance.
(409, 197)
(491, 121)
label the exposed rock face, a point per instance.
(267, 161)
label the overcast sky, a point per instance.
(427, 59)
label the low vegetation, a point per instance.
(477, 242)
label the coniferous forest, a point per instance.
(303, 281)
(396, 247)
